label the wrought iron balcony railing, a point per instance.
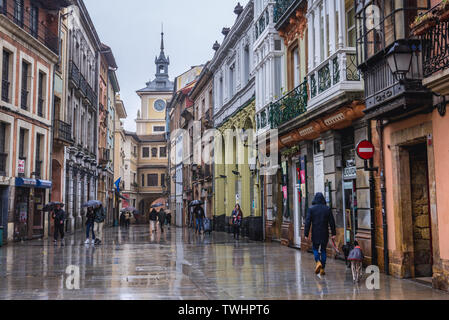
(339, 67)
(281, 7)
(74, 74)
(435, 48)
(3, 161)
(30, 24)
(63, 131)
(83, 85)
(5, 90)
(289, 107)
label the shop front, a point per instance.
(29, 217)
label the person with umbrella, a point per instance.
(100, 216)
(58, 216)
(153, 220)
(90, 218)
(162, 216)
(199, 215)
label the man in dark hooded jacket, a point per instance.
(320, 217)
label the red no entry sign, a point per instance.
(365, 150)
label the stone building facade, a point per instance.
(29, 48)
(81, 158)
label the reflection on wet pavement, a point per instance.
(131, 264)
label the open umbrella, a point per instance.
(195, 203)
(130, 209)
(157, 205)
(51, 205)
(92, 203)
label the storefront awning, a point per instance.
(44, 184)
(20, 182)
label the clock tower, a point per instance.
(151, 118)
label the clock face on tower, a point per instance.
(159, 105)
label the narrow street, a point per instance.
(131, 264)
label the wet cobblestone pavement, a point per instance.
(131, 264)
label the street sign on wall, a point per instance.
(365, 150)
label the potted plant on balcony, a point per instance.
(443, 11)
(423, 22)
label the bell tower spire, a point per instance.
(162, 62)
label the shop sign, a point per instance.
(21, 166)
(350, 173)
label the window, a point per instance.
(3, 154)
(3, 6)
(163, 152)
(220, 92)
(134, 177)
(143, 180)
(296, 67)
(41, 94)
(159, 129)
(25, 92)
(231, 80)
(350, 25)
(153, 152)
(22, 143)
(135, 151)
(34, 20)
(152, 180)
(18, 12)
(246, 64)
(145, 152)
(5, 75)
(38, 164)
(163, 179)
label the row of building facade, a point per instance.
(316, 78)
(59, 112)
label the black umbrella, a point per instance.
(51, 206)
(195, 203)
(92, 203)
(157, 205)
(130, 209)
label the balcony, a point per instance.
(24, 20)
(288, 107)
(74, 74)
(3, 163)
(63, 132)
(5, 90)
(435, 51)
(83, 85)
(337, 73)
(388, 97)
(283, 8)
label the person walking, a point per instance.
(162, 216)
(153, 221)
(59, 218)
(90, 217)
(168, 219)
(236, 220)
(319, 217)
(100, 216)
(199, 216)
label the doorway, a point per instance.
(296, 187)
(421, 221)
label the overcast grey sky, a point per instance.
(132, 29)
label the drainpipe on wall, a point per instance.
(372, 205)
(380, 127)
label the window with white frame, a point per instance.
(350, 27)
